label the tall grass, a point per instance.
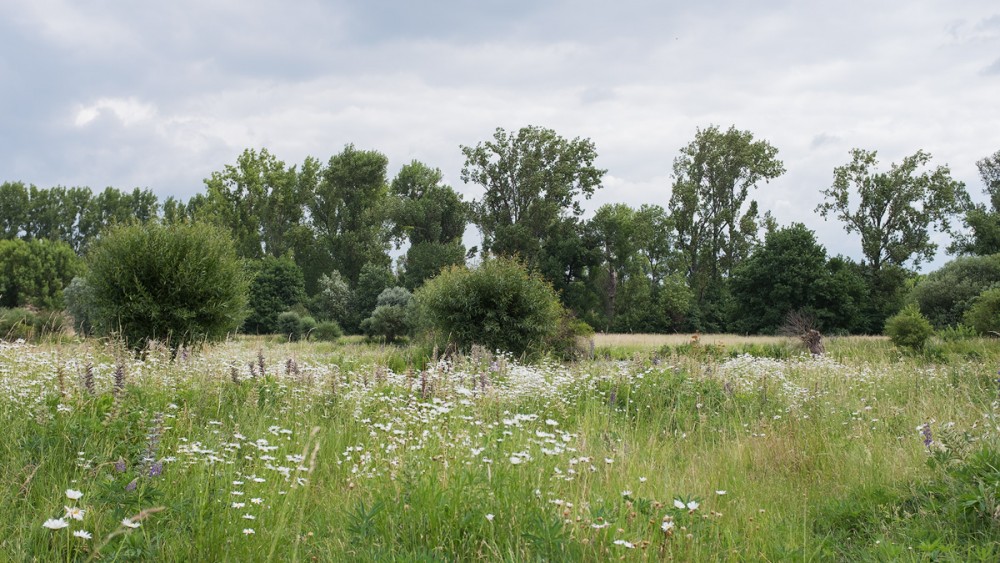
(363, 452)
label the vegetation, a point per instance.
(499, 305)
(909, 329)
(179, 284)
(317, 235)
(302, 451)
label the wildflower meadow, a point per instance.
(257, 450)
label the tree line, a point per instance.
(317, 236)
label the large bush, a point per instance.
(277, 285)
(35, 272)
(179, 283)
(947, 293)
(499, 305)
(392, 317)
(908, 328)
(984, 315)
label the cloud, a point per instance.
(128, 111)
(993, 68)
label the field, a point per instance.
(715, 448)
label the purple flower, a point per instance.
(120, 466)
(156, 469)
(132, 485)
(925, 430)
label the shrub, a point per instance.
(947, 293)
(499, 305)
(179, 283)
(984, 315)
(35, 272)
(289, 324)
(80, 304)
(327, 331)
(332, 300)
(909, 328)
(392, 316)
(29, 325)
(277, 286)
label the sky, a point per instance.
(159, 95)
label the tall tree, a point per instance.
(261, 201)
(893, 211)
(350, 213)
(613, 229)
(983, 222)
(14, 206)
(533, 180)
(432, 217)
(716, 223)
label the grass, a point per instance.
(664, 449)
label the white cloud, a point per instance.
(128, 111)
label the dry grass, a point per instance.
(657, 340)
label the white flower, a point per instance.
(678, 503)
(73, 495)
(249, 517)
(608, 460)
(514, 460)
(74, 512)
(626, 493)
(238, 504)
(720, 493)
(82, 534)
(602, 524)
(693, 505)
(129, 523)
(55, 523)
(489, 517)
(257, 500)
(667, 525)
(551, 422)
(624, 544)
(248, 531)
(642, 479)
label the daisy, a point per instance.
(82, 534)
(248, 531)
(74, 512)
(693, 505)
(55, 523)
(489, 517)
(679, 504)
(720, 493)
(129, 523)
(73, 495)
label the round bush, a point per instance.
(984, 315)
(179, 283)
(908, 328)
(947, 293)
(327, 331)
(499, 305)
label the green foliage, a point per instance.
(31, 325)
(372, 281)
(425, 259)
(896, 210)
(81, 305)
(333, 300)
(984, 315)
(277, 285)
(716, 223)
(393, 315)
(945, 294)
(262, 202)
(532, 178)
(791, 273)
(327, 331)
(179, 283)
(350, 210)
(35, 272)
(908, 328)
(499, 305)
(983, 222)
(295, 327)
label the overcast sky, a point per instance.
(158, 95)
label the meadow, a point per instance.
(689, 449)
